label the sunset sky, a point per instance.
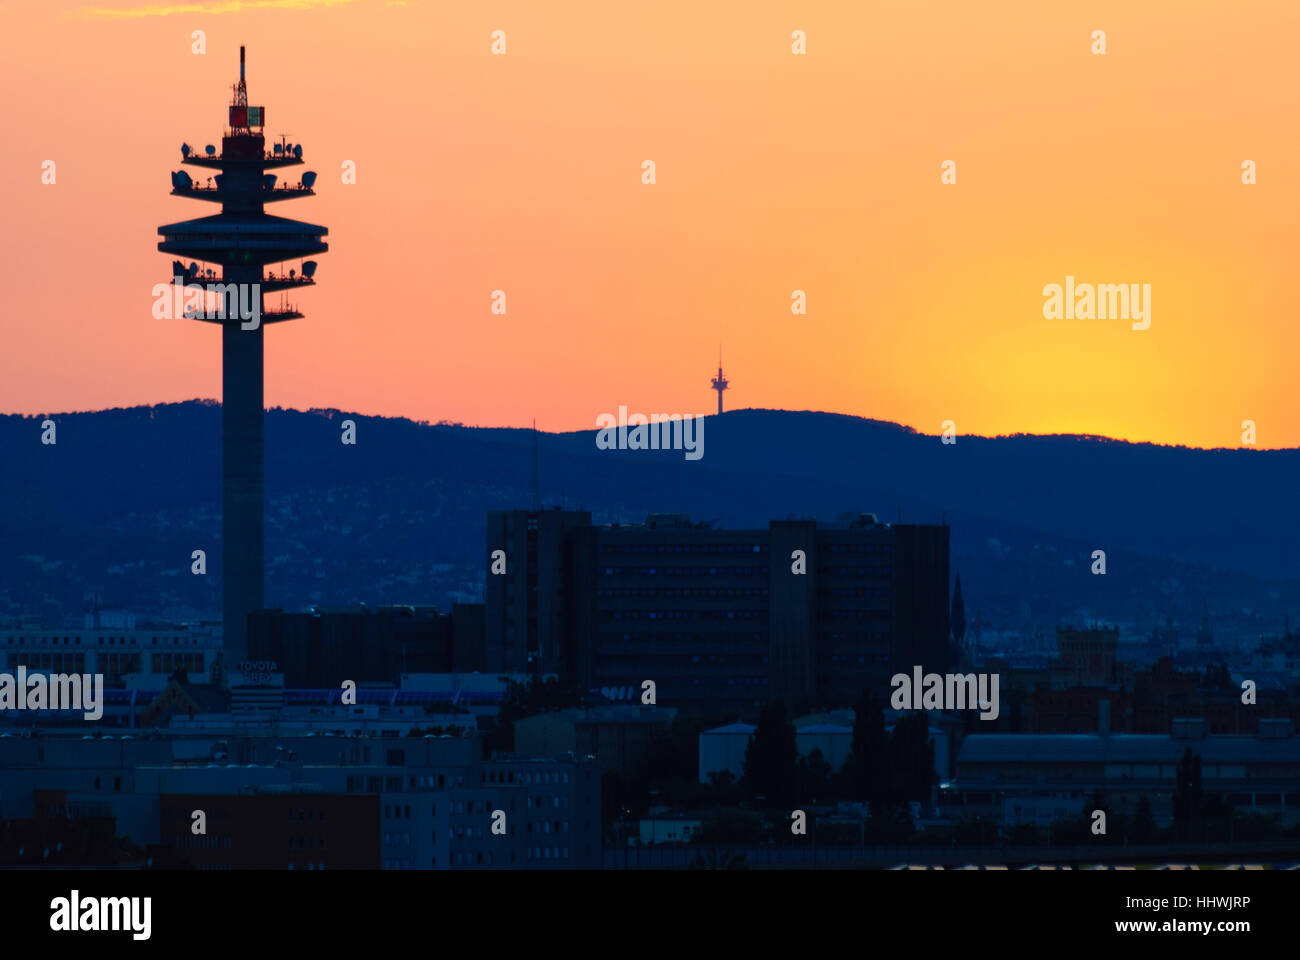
(775, 172)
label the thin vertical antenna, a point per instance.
(241, 89)
(537, 490)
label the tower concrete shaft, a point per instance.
(243, 447)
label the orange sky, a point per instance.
(775, 172)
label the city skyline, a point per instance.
(990, 564)
(522, 173)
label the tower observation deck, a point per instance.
(240, 242)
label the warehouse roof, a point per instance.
(1124, 748)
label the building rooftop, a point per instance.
(824, 728)
(733, 728)
(1124, 748)
(611, 713)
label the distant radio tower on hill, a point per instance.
(720, 382)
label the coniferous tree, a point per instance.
(867, 772)
(771, 758)
(814, 776)
(912, 758)
(1144, 823)
(1187, 795)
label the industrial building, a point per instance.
(1042, 777)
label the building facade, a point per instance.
(721, 620)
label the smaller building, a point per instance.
(1034, 777)
(835, 741)
(272, 830)
(619, 737)
(723, 750)
(669, 828)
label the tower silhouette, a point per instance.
(720, 382)
(242, 239)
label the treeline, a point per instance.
(889, 770)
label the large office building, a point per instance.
(721, 620)
(532, 605)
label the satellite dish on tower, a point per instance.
(185, 149)
(309, 268)
(210, 150)
(309, 179)
(183, 180)
(279, 148)
(268, 181)
(297, 150)
(218, 179)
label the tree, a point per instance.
(974, 831)
(814, 776)
(771, 758)
(1253, 827)
(866, 771)
(889, 824)
(722, 780)
(613, 803)
(1117, 828)
(1023, 834)
(526, 699)
(1215, 819)
(912, 759)
(1074, 832)
(729, 827)
(1187, 795)
(1144, 822)
(719, 860)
